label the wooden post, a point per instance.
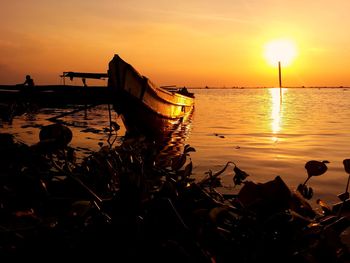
(279, 73)
(280, 78)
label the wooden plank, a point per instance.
(51, 96)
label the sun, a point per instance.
(280, 50)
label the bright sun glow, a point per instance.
(280, 50)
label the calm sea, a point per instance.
(267, 135)
(262, 132)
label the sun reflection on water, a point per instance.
(276, 111)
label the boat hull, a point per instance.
(144, 107)
(138, 118)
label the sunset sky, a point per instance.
(184, 42)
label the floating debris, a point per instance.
(93, 130)
(218, 135)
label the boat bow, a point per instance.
(142, 103)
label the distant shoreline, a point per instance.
(303, 87)
(6, 86)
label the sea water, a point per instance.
(266, 132)
(274, 132)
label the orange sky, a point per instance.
(184, 42)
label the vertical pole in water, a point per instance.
(280, 78)
(279, 73)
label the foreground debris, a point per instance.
(120, 202)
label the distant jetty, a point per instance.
(54, 95)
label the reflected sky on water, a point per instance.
(262, 134)
(267, 136)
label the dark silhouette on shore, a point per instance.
(29, 81)
(28, 85)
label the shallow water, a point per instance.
(263, 134)
(268, 136)
(90, 126)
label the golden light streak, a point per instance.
(276, 111)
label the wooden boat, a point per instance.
(146, 108)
